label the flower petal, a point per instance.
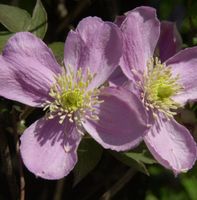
(170, 41)
(140, 35)
(74, 52)
(95, 45)
(25, 45)
(48, 149)
(119, 19)
(27, 69)
(172, 145)
(117, 78)
(184, 65)
(122, 120)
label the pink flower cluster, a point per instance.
(121, 83)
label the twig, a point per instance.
(26, 112)
(22, 179)
(59, 190)
(7, 165)
(118, 185)
(72, 15)
(20, 166)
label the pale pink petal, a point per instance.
(74, 52)
(119, 19)
(117, 78)
(131, 86)
(27, 70)
(26, 46)
(122, 120)
(170, 41)
(184, 64)
(172, 145)
(140, 35)
(96, 45)
(48, 149)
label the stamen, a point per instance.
(72, 99)
(159, 86)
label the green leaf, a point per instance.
(58, 50)
(13, 18)
(189, 184)
(89, 154)
(136, 160)
(151, 196)
(141, 157)
(38, 24)
(4, 36)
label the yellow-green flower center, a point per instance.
(159, 87)
(164, 91)
(72, 99)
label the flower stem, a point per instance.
(118, 185)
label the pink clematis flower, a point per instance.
(162, 87)
(71, 95)
(169, 39)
